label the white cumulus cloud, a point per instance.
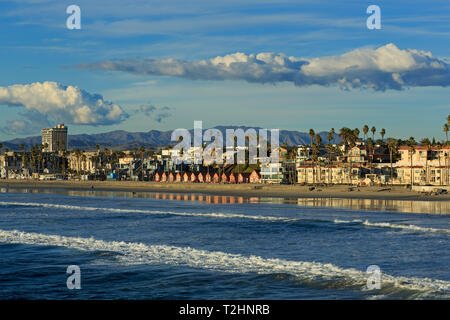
(386, 67)
(54, 102)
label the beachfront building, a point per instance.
(9, 162)
(82, 162)
(55, 139)
(224, 178)
(304, 153)
(255, 177)
(423, 165)
(358, 154)
(362, 154)
(330, 174)
(271, 173)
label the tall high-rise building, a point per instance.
(55, 138)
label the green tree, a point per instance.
(142, 150)
(356, 133)
(311, 134)
(329, 137)
(446, 129)
(22, 148)
(426, 143)
(345, 134)
(373, 130)
(392, 146)
(365, 131)
(439, 147)
(382, 133)
(411, 149)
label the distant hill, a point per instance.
(123, 140)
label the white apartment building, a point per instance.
(56, 139)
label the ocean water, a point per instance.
(181, 246)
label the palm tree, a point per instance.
(382, 133)
(446, 129)
(40, 160)
(426, 143)
(78, 156)
(64, 156)
(365, 130)
(356, 133)
(315, 153)
(330, 138)
(22, 148)
(330, 149)
(311, 134)
(345, 134)
(25, 161)
(411, 145)
(142, 149)
(373, 130)
(95, 159)
(318, 144)
(392, 145)
(439, 146)
(370, 145)
(448, 119)
(318, 140)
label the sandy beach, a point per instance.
(249, 190)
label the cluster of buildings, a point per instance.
(338, 164)
(361, 165)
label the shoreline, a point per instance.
(245, 190)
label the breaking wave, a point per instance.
(113, 210)
(309, 273)
(395, 226)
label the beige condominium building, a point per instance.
(55, 138)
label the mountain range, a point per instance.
(124, 140)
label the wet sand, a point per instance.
(245, 190)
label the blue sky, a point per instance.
(122, 43)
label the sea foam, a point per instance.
(157, 212)
(307, 273)
(410, 227)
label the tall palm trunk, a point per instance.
(390, 159)
(411, 166)
(439, 159)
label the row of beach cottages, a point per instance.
(200, 177)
